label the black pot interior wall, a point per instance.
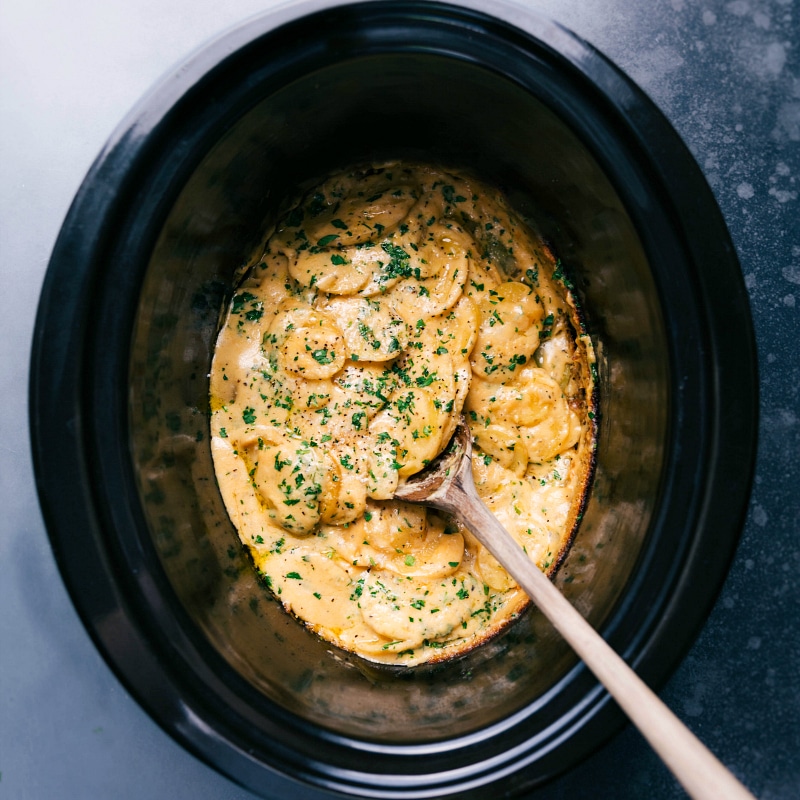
(438, 109)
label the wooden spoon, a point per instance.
(447, 484)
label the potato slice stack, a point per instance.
(388, 302)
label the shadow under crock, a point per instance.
(204, 182)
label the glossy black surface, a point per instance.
(167, 214)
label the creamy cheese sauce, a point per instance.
(389, 301)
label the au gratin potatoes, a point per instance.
(392, 299)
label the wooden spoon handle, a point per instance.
(695, 767)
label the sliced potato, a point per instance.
(307, 341)
(508, 335)
(439, 270)
(295, 480)
(372, 331)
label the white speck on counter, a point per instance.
(788, 122)
(762, 20)
(782, 195)
(792, 273)
(766, 62)
(745, 190)
(738, 8)
(775, 57)
(782, 419)
(653, 70)
(709, 17)
(693, 706)
(782, 174)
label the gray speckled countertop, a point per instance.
(727, 74)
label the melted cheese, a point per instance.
(387, 303)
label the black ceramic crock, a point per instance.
(121, 355)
